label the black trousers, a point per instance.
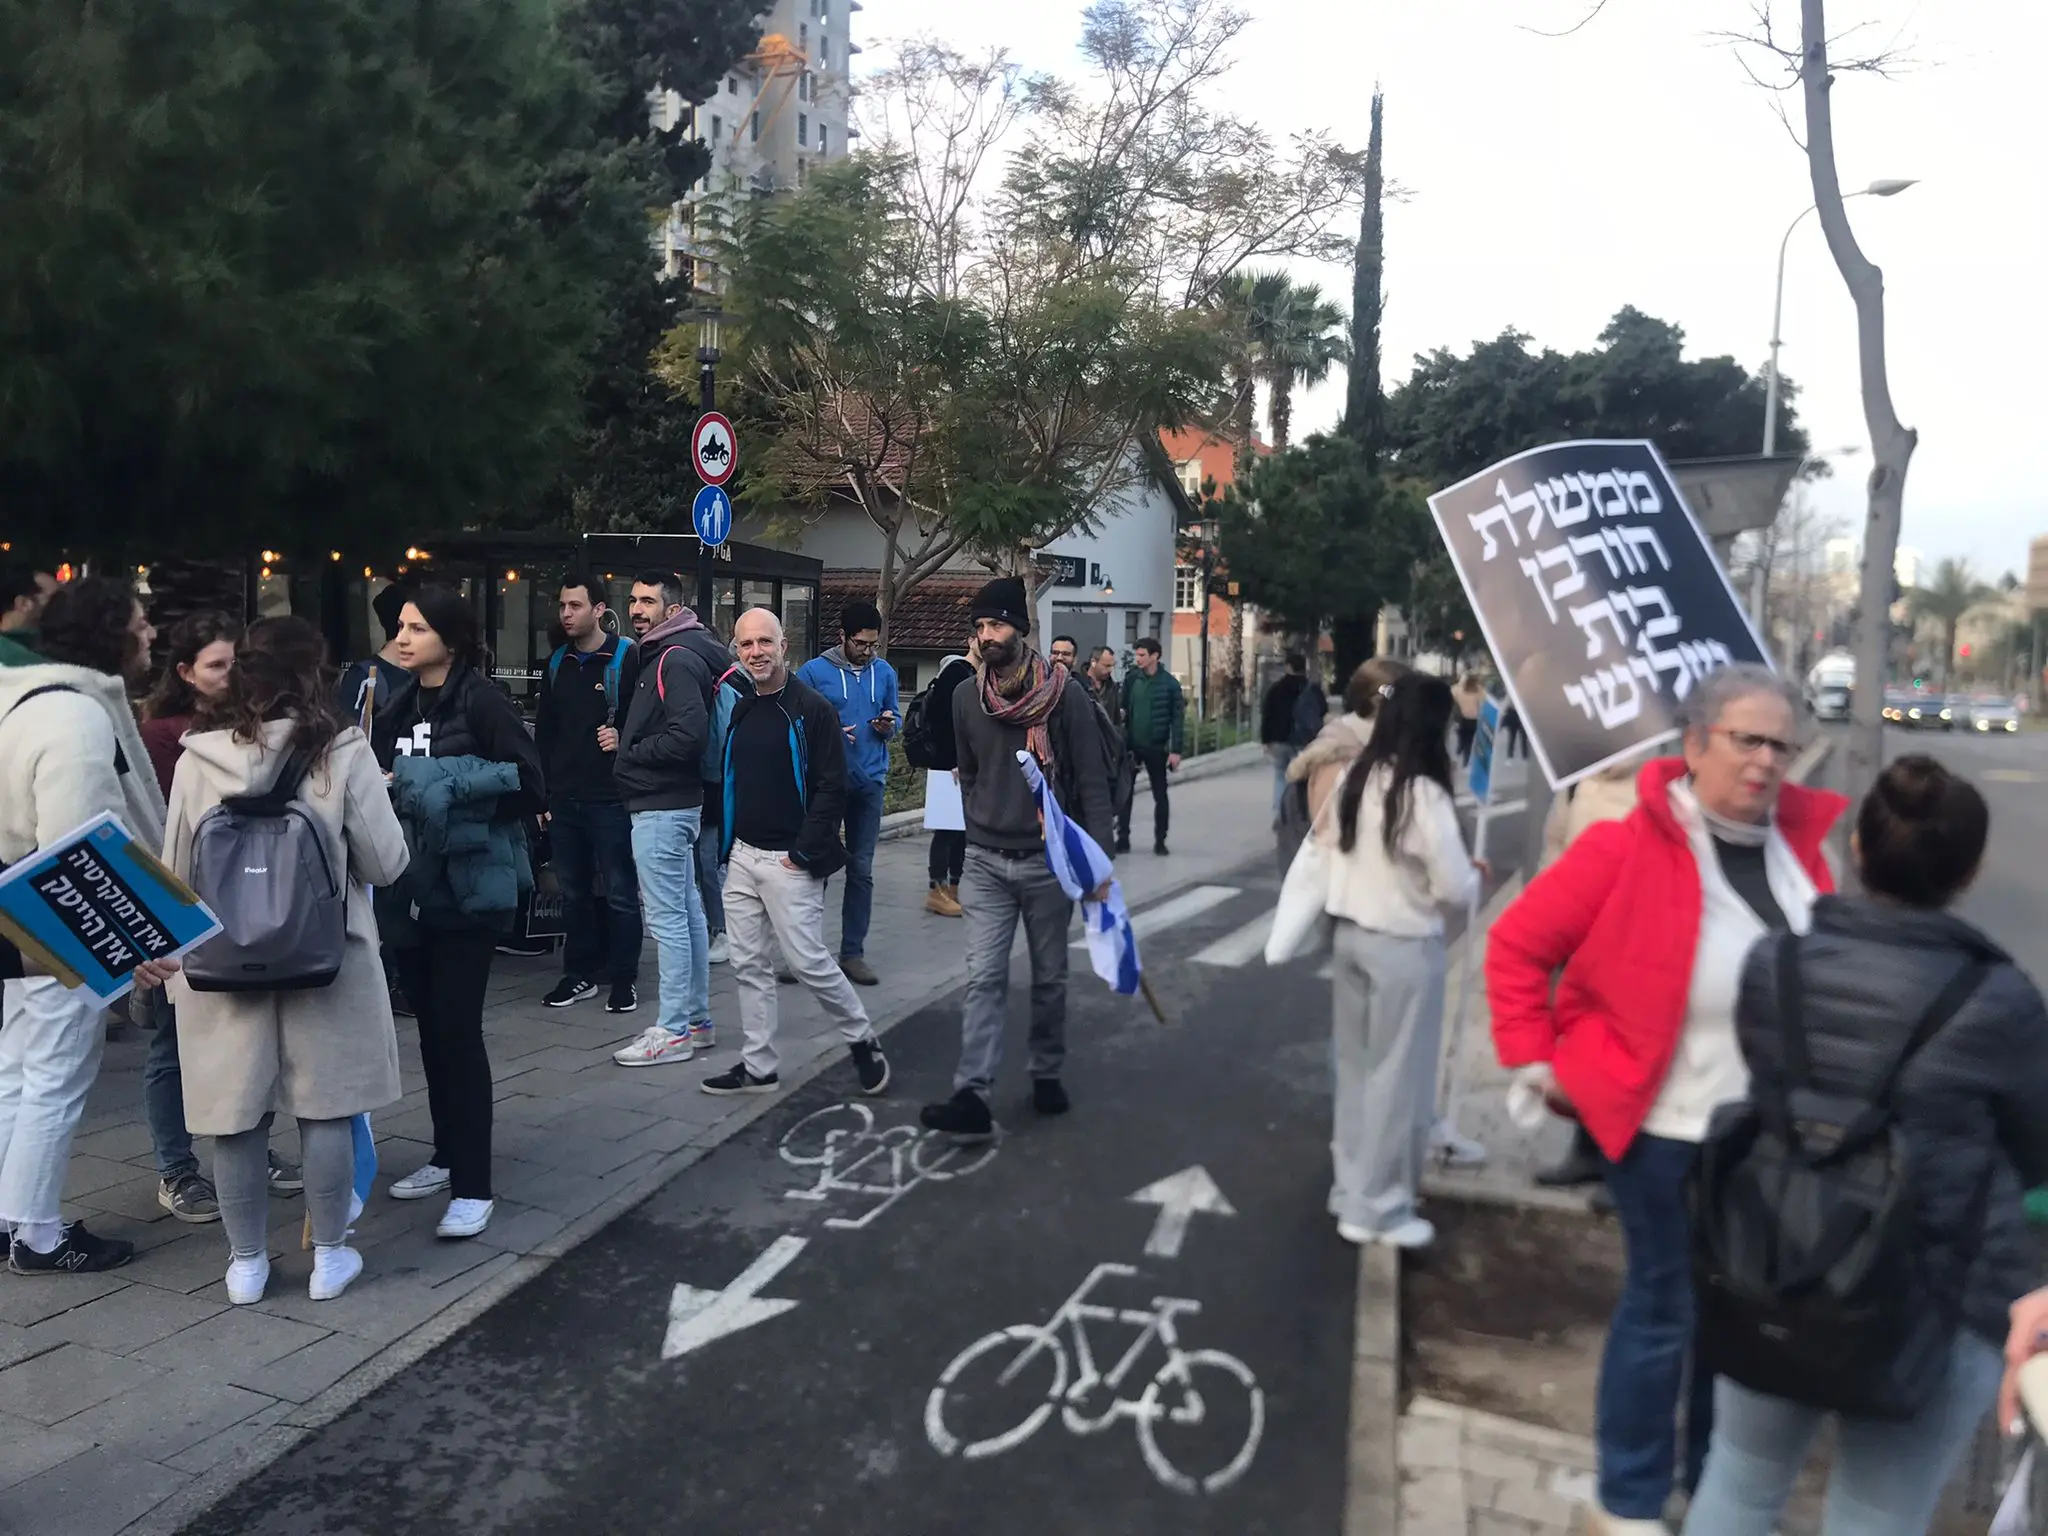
(949, 857)
(1468, 731)
(1154, 761)
(444, 978)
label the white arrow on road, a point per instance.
(1178, 1197)
(697, 1316)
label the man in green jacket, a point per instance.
(23, 591)
(1153, 712)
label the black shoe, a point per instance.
(964, 1117)
(870, 1065)
(570, 989)
(1123, 845)
(740, 1080)
(1160, 848)
(624, 998)
(80, 1253)
(1582, 1165)
(286, 1178)
(784, 976)
(400, 1007)
(1048, 1097)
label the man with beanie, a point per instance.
(1019, 702)
(862, 689)
(1154, 709)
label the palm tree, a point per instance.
(1954, 591)
(1304, 339)
(1252, 304)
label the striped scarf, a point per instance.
(1027, 698)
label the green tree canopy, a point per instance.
(273, 267)
(1947, 599)
(1456, 415)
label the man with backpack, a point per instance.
(582, 705)
(1018, 703)
(660, 778)
(1289, 717)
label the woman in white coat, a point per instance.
(1399, 860)
(325, 1054)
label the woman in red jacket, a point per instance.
(1648, 919)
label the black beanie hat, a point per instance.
(1003, 599)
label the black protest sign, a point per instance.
(1600, 598)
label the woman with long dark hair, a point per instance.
(202, 652)
(1400, 859)
(324, 1054)
(451, 726)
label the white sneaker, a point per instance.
(465, 1218)
(655, 1047)
(333, 1269)
(1456, 1151)
(1601, 1523)
(421, 1182)
(1412, 1233)
(246, 1280)
(720, 953)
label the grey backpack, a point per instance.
(261, 864)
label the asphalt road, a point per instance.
(864, 1337)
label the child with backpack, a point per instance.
(1860, 1227)
(279, 816)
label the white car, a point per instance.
(1992, 717)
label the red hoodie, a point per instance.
(1620, 912)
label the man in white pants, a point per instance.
(785, 797)
(69, 749)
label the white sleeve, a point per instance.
(1434, 837)
(72, 765)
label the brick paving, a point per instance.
(118, 1391)
(1465, 1473)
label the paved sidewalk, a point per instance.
(119, 1392)
(1466, 1473)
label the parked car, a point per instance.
(1992, 717)
(1918, 711)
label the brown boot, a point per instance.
(939, 901)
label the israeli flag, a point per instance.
(1079, 864)
(366, 1165)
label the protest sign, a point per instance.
(96, 904)
(1601, 600)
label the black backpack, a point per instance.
(1115, 761)
(1811, 1279)
(919, 750)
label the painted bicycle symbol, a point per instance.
(1202, 1408)
(854, 1158)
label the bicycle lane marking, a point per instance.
(848, 1150)
(1172, 1395)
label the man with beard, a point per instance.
(1019, 702)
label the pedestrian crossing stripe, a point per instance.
(1189, 903)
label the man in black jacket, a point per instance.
(785, 796)
(660, 780)
(1292, 706)
(1019, 702)
(582, 705)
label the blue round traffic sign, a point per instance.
(711, 512)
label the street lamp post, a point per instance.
(1889, 187)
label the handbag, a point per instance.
(1301, 921)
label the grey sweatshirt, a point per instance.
(1002, 812)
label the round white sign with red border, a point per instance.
(715, 448)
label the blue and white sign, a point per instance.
(1479, 772)
(711, 512)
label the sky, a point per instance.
(1555, 179)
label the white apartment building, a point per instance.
(784, 108)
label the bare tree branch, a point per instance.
(1579, 26)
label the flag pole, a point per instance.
(1145, 986)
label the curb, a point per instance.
(302, 1420)
(1372, 1470)
(1208, 766)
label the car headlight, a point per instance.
(1983, 725)
(1913, 714)
(1946, 714)
(2012, 725)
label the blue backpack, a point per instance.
(612, 669)
(724, 697)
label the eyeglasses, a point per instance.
(1749, 743)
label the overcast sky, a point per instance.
(1555, 180)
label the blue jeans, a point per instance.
(1644, 1373)
(590, 837)
(1886, 1479)
(163, 1093)
(710, 869)
(863, 831)
(665, 848)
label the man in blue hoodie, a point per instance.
(862, 690)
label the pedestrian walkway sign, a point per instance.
(711, 512)
(1479, 771)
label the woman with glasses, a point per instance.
(1648, 919)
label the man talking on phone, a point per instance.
(861, 688)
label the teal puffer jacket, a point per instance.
(470, 867)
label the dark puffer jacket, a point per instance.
(1973, 1103)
